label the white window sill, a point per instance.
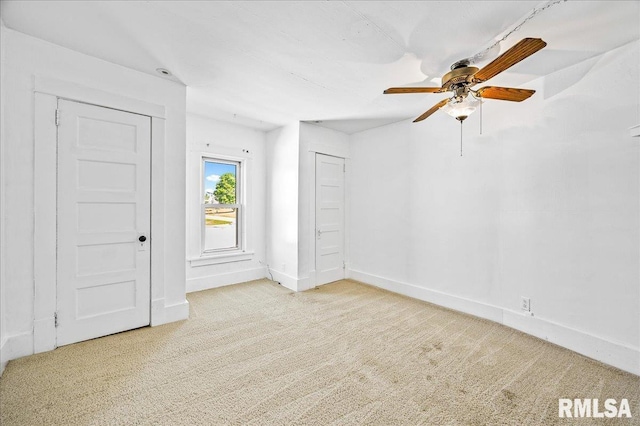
(215, 259)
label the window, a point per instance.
(221, 205)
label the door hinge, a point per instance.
(55, 319)
(344, 168)
(344, 265)
(57, 117)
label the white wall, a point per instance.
(544, 204)
(313, 139)
(282, 204)
(2, 245)
(24, 58)
(206, 136)
(290, 218)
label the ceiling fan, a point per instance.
(463, 77)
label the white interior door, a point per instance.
(103, 214)
(329, 219)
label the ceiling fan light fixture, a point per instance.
(461, 108)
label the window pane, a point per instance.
(219, 183)
(221, 228)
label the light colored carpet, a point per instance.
(346, 353)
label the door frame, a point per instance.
(315, 216)
(46, 94)
(333, 151)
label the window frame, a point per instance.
(239, 206)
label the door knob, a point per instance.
(142, 238)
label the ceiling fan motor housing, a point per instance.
(458, 76)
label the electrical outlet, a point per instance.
(525, 304)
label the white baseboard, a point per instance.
(623, 357)
(221, 280)
(3, 363)
(347, 271)
(157, 312)
(468, 306)
(285, 280)
(161, 314)
(16, 346)
(177, 312)
(25, 344)
(620, 356)
(305, 284)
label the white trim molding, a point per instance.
(44, 264)
(285, 280)
(623, 357)
(74, 91)
(16, 346)
(164, 314)
(468, 306)
(176, 312)
(307, 283)
(205, 260)
(224, 279)
(44, 334)
(320, 148)
(3, 363)
(47, 91)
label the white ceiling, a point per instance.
(263, 63)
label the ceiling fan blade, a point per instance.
(521, 50)
(505, 93)
(432, 110)
(394, 90)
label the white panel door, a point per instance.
(329, 219)
(103, 216)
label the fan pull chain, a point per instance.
(461, 138)
(480, 117)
